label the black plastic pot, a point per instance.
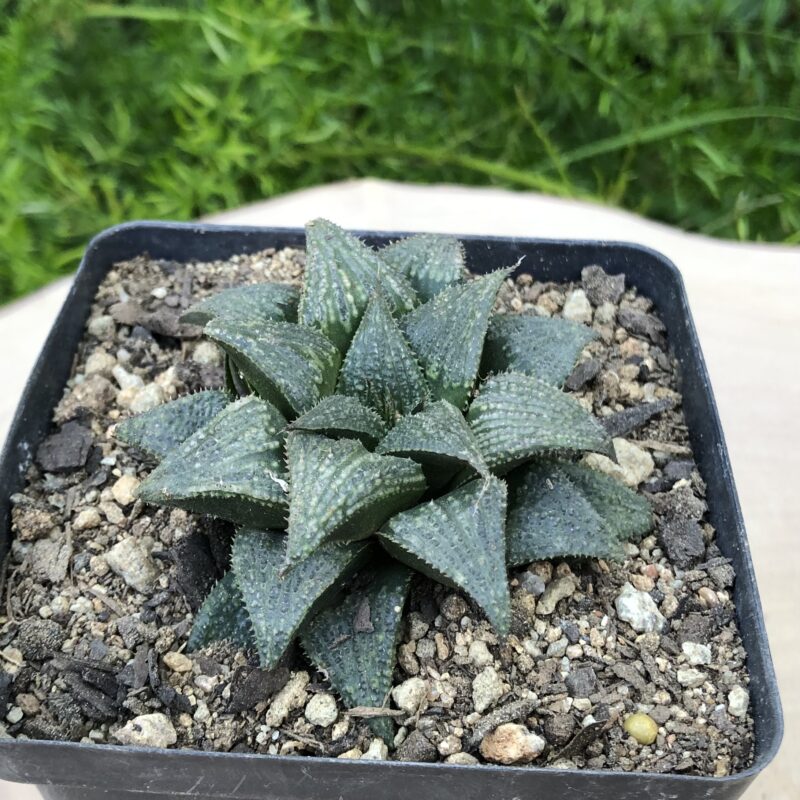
(72, 771)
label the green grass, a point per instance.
(686, 112)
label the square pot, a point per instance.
(70, 770)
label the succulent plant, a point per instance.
(383, 420)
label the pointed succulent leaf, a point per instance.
(627, 514)
(163, 428)
(342, 417)
(438, 435)
(550, 517)
(278, 604)
(222, 616)
(540, 346)
(355, 641)
(232, 468)
(289, 365)
(516, 417)
(459, 539)
(258, 302)
(430, 262)
(341, 491)
(447, 335)
(341, 275)
(379, 368)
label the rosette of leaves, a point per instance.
(382, 420)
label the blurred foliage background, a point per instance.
(687, 112)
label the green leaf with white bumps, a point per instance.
(379, 368)
(459, 539)
(163, 428)
(550, 517)
(222, 616)
(341, 491)
(626, 513)
(355, 641)
(342, 417)
(232, 468)
(516, 417)
(278, 604)
(258, 302)
(438, 436)
(289, 365)
(447, 335)
(540, 346)
(430, 262)
(342, 273)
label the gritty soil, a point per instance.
(100, 590)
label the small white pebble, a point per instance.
(465, 759)
(479, 654)
(409, 694)
(377, 751)
(696, 654)
(738, 701)
(202, 714)
(148, 730)
(146, 398)
(124, 489)
(691, 678)
(321, 710)
(355, 752)
(177, 662)
(449, 745)
(87, 519)
(205, 683)
(340, 728)
(102, 326)
(487, 689)
(125, 379)
(207, 353)
(99, 363)
(577, 307)
(98, 566)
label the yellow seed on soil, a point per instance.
(642, 727)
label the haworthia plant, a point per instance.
(340, 416)
(516, 417)
(459, 540)
(385, 403)
(447, 335)
(380, 369)
(429, 262)
(277, 605)
(560, 506)
(223, 616)
(162, 429)
(342, 492)
(259, 302)
(538, 346)
(438, 437)
(363, 630)
(342, 274)
(232, 468)
(288, 364)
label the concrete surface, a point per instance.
(745, 299)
